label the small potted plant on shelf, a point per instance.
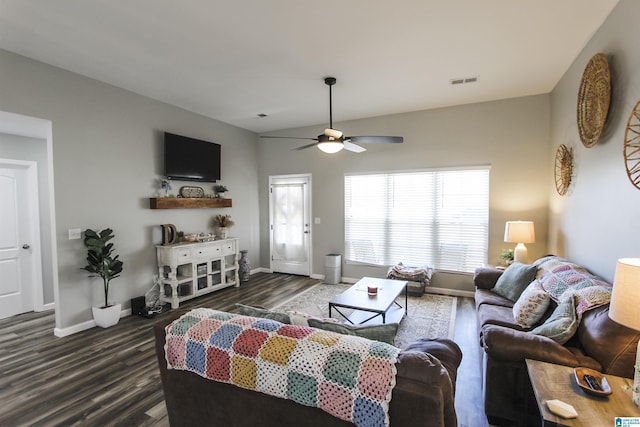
(223, 222)
(507, 256)
(219, 190)
(101, 262)
(165, 184)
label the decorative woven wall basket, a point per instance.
(632, 146)
(563, 170)
(594, 97)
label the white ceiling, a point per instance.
(231, 60)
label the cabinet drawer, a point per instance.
(228, 248)
(206, 252)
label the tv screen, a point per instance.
(191, 159)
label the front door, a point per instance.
(289, 218)
(20, 265)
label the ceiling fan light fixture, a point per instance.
(330, 147)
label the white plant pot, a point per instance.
(105, 317)
(223, 232)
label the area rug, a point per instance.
(428, 316)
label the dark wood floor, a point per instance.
(103, 377)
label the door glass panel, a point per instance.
(289, 243)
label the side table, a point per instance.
(552, 381)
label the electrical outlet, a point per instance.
(75, 233)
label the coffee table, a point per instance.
(371, 309)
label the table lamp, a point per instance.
(625, 300)
(519, 232)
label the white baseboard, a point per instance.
(64, 332)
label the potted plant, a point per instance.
(507, 256)
(219, 190)
(101, 262)
(223, 222)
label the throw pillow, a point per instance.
(531, 306)
(247, 310)
(302, 319)
(514, 280)
(385, 333)
(562, 323)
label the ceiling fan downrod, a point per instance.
(330, 81)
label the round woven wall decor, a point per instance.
(563, 169)
(594, 97)
(632, 146)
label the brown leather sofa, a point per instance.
(599, 343)
(423, 395)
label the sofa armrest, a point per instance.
(486, 277)
(445, 350)
(515, 346)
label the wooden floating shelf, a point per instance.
(188, 203)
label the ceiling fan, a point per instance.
(333, 140)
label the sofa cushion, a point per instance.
(484, 296)
(385, 333)
(562, 324)
(247, 310)
(531, 306)
(497, 315)
(302, 319)
(514, 280)
(610, 343)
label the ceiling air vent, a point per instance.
(464, 80)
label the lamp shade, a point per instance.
(519, 232)
(625, 298)
(331, 147)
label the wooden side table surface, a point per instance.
(552, 381)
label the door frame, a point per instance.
(33, 127)
(35, 287)
(310, 206)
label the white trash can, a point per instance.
(332, 268)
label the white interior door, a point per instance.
(289, 218)
(20, 264)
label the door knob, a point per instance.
(25, 246)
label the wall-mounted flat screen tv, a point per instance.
(191, 159)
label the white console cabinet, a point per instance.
(188, 270)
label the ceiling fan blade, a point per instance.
(353, 147)
(287, 137)
(375, 139)
(305, 146)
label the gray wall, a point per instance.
(107, 159)
(597, 221)
(510, 135)
(33, 149)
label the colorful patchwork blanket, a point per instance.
(562, 278)
(347, 376)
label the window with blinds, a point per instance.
(438, 218)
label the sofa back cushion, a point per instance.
(610, 343)
(514, 280)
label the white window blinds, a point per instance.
(438, 218)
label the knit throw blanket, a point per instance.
(562, 278)
(415, 274)
(347, 376)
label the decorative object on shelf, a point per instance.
(563, 170)
(244, 269)
(223, 222)
(101, 262)
(191, 192)
(169, 234)
(519, 232)
(632, 146)
(625, 299)
(205, 237)
(594, 97)
(165, 184)
(219, 190)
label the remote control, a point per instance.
(592, 382)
